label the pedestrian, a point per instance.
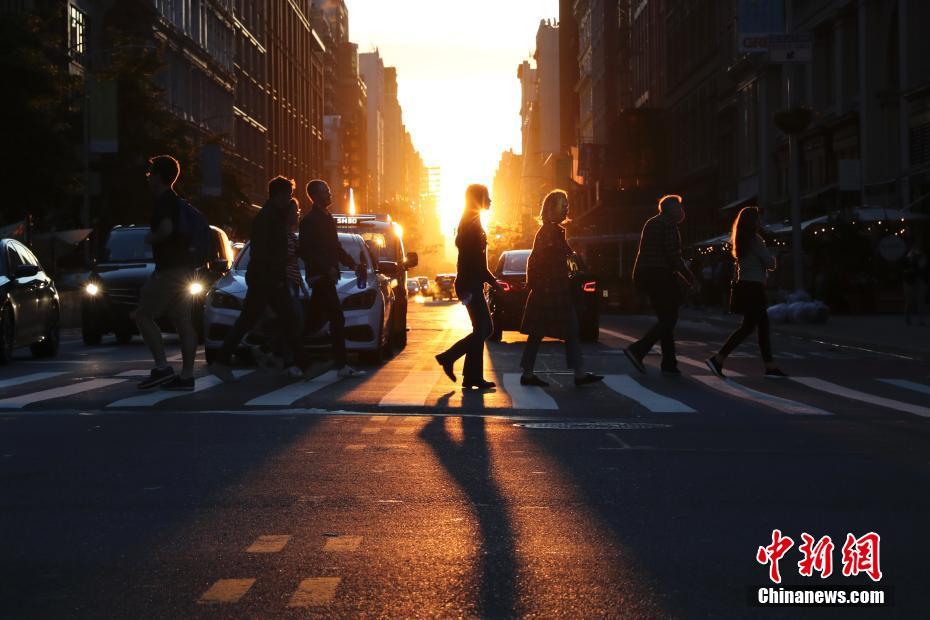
(472, 274)
(167, 291)
(266, 280)
(551, 309)
(322, 254)
(914, 274)
(661, 273)
(753, 262)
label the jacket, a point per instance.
(550, 306)
(472, 265)
(319, 245)
(659, 256)
(268, 246)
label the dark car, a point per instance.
(385, 241)
(508, 305)
(445, 286)
(112, 290)
(29, 303)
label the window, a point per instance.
(77, 33)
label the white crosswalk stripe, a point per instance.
(30, 378)
(413, 390)
(653, 401)
(18, 402)
(290, 394)
(526, 397)
(908, 385)
(839, 390)
(153, 398)
(731, 388)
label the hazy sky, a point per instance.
(457, 77)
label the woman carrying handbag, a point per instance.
(753, 262)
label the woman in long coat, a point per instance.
(550, 308)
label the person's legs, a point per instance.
(282, 303)
(332, 310)
(666, 303)
(481, 331)
(530, 351)
(573, 357)
(150, 303)
(256, 298)
(736, 338)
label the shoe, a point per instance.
(350, 373)
(178, 383)
(636, 361)
(672, 372)
(221, 371)
(775, 373)
(481, 385)
(715, 367)
(447, 367)
(157, 377)
(588, 378)
(533, 380)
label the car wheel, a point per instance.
(48, 347)
(7, 334)
(124, 336)
(376, 355)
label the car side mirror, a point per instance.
(387, 267)
(412, 260)
(25, 271)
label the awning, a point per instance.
(786, 228)
(820, 191)
(712, 241)
(740, 202)
(68, 237)
(878, 214)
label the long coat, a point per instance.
(550, 305)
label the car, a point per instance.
(445, 286)
(426, 287)
(368, 311)
(413, 287)
(385, 240)
(111, 293)
(508, 303)
(30, 309)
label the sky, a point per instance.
(457, 78)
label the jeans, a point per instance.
(258, 297)
(472, 345)
(755, 317)
(325, 304)
(665, 300)
(572, 347)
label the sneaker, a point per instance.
(347, 372)
(178, 383)
(635, 360)
(221, 371)
(447, 367)
(715, 367)
(157, 377)
(775, 373)
(533, 380)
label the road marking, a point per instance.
(379, 418)
(227, 591)
(689, 361)
(654, 402)
(370, 430)
(731, 388)
(355, 447)
(908, 385)
(315, 591)
(269, 543)
(406, 430)
(157, 396)
(30, 378)
(18, 402)
(342, 543)
(290, 394)
(839, 390)
(413, 390)
(624, 445)
(413, 418)
(525, 396)
(135, 373)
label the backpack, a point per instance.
(194, 231)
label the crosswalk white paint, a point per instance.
(731, 388)
(908, 385)
(839, 390)
(527, 397)
(682, 359)
(413, 390)
(30, 378)
(653, 401)
(18, 402)
(153, 398)
(290, 394)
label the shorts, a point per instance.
(166, 293)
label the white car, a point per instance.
(367, 310)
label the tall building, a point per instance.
(371, 69)
(392, 183)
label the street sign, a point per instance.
(793, 47)
(757, 21)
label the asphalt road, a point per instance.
(396, 495)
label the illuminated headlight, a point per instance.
(225, 301)
(361, 301)
(91, 289)
(196, 288)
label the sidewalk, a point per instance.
(880, 332)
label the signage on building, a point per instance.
(758, 20)
(794, 47)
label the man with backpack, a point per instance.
(166, 293)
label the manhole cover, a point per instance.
(585, 426)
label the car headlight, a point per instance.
(360, 301)
(91, 289)
(219, 299)
(196, 288)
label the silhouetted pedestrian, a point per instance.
(915, 276)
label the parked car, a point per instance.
(507, 306)
(445, 286)
(413, 287)
(385, 241)
(426, 287)
(30, 309)
(112, 289)
(368, 311)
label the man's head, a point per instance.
(163, 173)
(477, 197)
(671, 206)
(319, 193)
(281, 190)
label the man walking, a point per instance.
(267, 279)
(322, 254)
(660, 272)
(166, 291)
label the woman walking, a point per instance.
(753, 262)
(473, 274)
(550, 308)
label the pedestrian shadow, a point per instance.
(469, 465)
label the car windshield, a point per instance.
(380, 246)
(127, 246)
(515, 262)
(351, 244)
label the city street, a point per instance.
(396, 495)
